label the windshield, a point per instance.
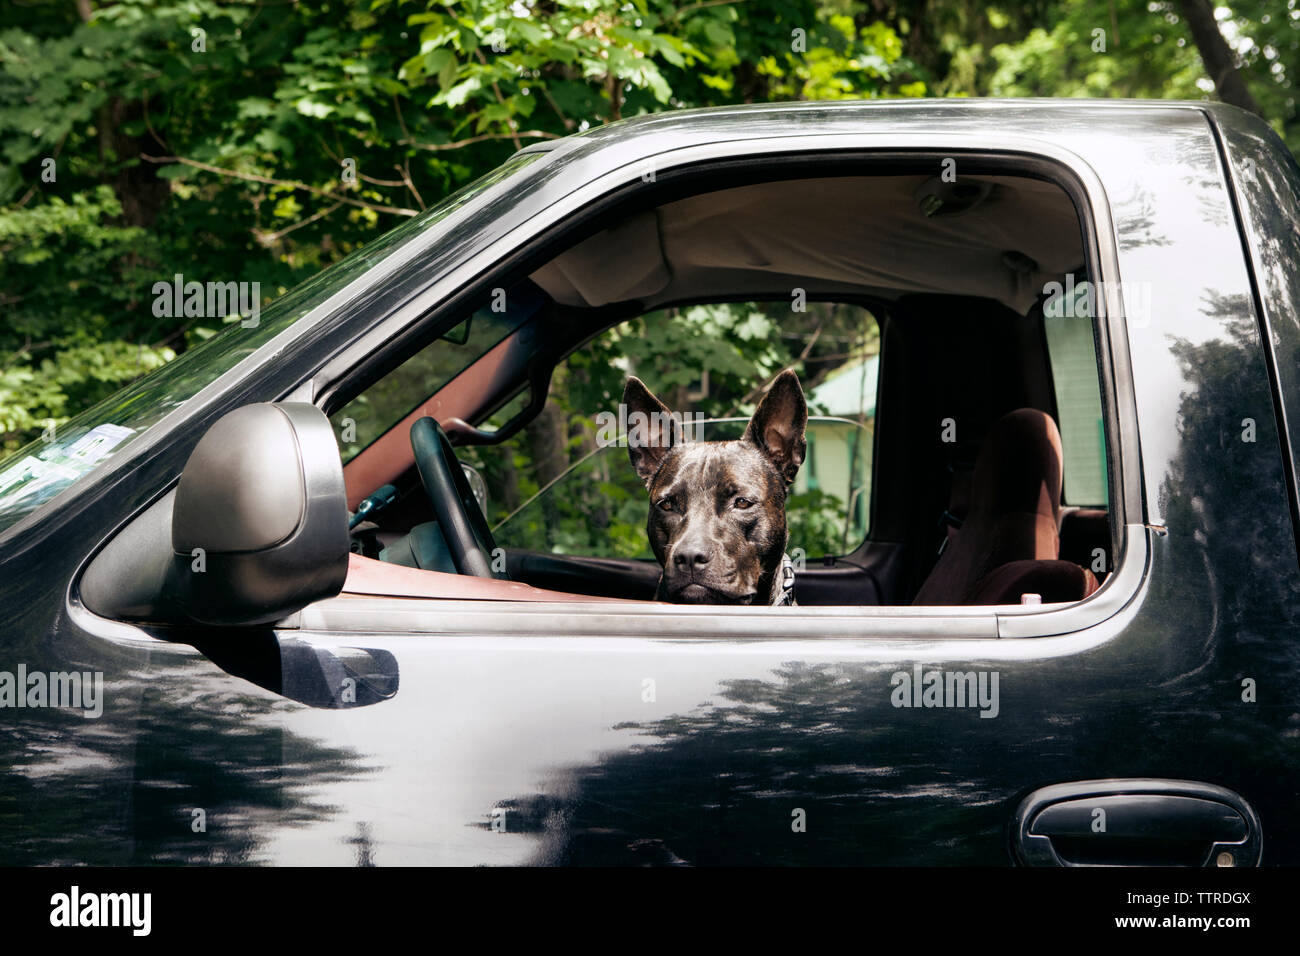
(41, 470)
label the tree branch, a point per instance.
(270, 181)
(439, 147)
(269, 238)
(405, 170)
(760, 389)
(500, 99)
(568, 123)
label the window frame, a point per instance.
(617, 172)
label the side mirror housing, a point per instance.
(256, 529)
(260, 523)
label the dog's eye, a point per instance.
(666, 504)
(743, 503)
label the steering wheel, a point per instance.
(459, 516)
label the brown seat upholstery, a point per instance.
(1008, 545)
(1052, 581)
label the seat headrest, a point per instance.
(1015, 502)
(1018, 469)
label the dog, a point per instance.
(717, 520)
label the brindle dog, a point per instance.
(717, 509)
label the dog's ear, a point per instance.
(651, 429)
(778, 425)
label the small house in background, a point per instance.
(840, 436)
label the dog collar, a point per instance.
(783, 595)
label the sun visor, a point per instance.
(617, 264)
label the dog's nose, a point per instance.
(689, 555)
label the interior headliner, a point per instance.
(861, 235)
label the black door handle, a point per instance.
(1142, 822)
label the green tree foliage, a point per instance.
(236, 140)
(248, 141)
(1144, 48)
(1131, 48)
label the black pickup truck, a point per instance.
(1059, 645)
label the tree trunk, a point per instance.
(546, 436)
(1216, 55)
(138, 186)
(140, 191)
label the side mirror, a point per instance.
(256, 529)
(262, 510)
